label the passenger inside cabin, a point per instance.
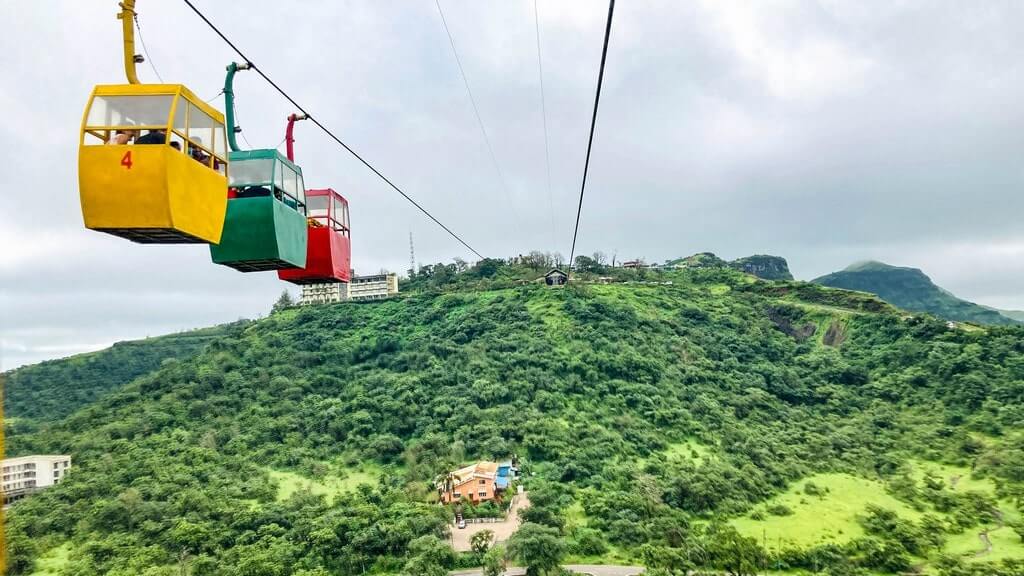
(152, 137)
(253, 192)
(197, 153)
(122, 137)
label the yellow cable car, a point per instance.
(152, 159)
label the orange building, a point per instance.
(473, 484)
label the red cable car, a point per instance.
(328, 247)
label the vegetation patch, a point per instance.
(831, 517)
(689, 450)
(331, 485)
(54, 561)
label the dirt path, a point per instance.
(461, 537)
(983, 535)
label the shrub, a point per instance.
(812, 489)
(779, 510)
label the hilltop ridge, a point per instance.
(911, 289)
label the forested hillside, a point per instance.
(691, 419)
(911, 289)
(53, 389)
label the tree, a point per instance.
(537, 547)
(488, 267)
(738, 555)
(429, 556)
(494, 562)
(283, 302)
(585, 264)
(481, 541)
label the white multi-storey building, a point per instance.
(26, 474)
(375, 287)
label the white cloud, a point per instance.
(827, 132)
(794, 63)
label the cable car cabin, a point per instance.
(329, 255)
(265, 227)
(152, 165)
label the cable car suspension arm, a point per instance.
(288, 138)
(127, 17)
(229, 102)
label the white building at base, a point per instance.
(27, 474)
(374, 287)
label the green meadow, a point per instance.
(828, 518)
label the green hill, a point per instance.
(764, 266)
(51, 390)
(657, 422)
(760, 265)
(912, 290)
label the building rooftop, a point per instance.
(478, 470)
(20, 459)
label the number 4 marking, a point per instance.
(126, 160)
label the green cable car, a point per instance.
(265, 227)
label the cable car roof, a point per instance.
(155, 89)
(262, 154)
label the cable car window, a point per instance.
(219, 146)
(290, 180)
(179, 126)
(200, 134)
(180, 122)
(341, 219)
(279, 175)
(300, 193)
(140, 110)
(257, 172)
(318, 206)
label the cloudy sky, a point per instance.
(826, 132)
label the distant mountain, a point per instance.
(1017, 315)
(911, 289)
(760, 265)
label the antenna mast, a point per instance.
(412, 257)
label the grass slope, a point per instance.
(829, 518)
(335, 483)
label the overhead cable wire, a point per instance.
(238, 122)
(544, 116)
(476, 111)
(593, 123)
(326, 130)
(145, 50)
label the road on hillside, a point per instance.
(594, 569)
(502, 530)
